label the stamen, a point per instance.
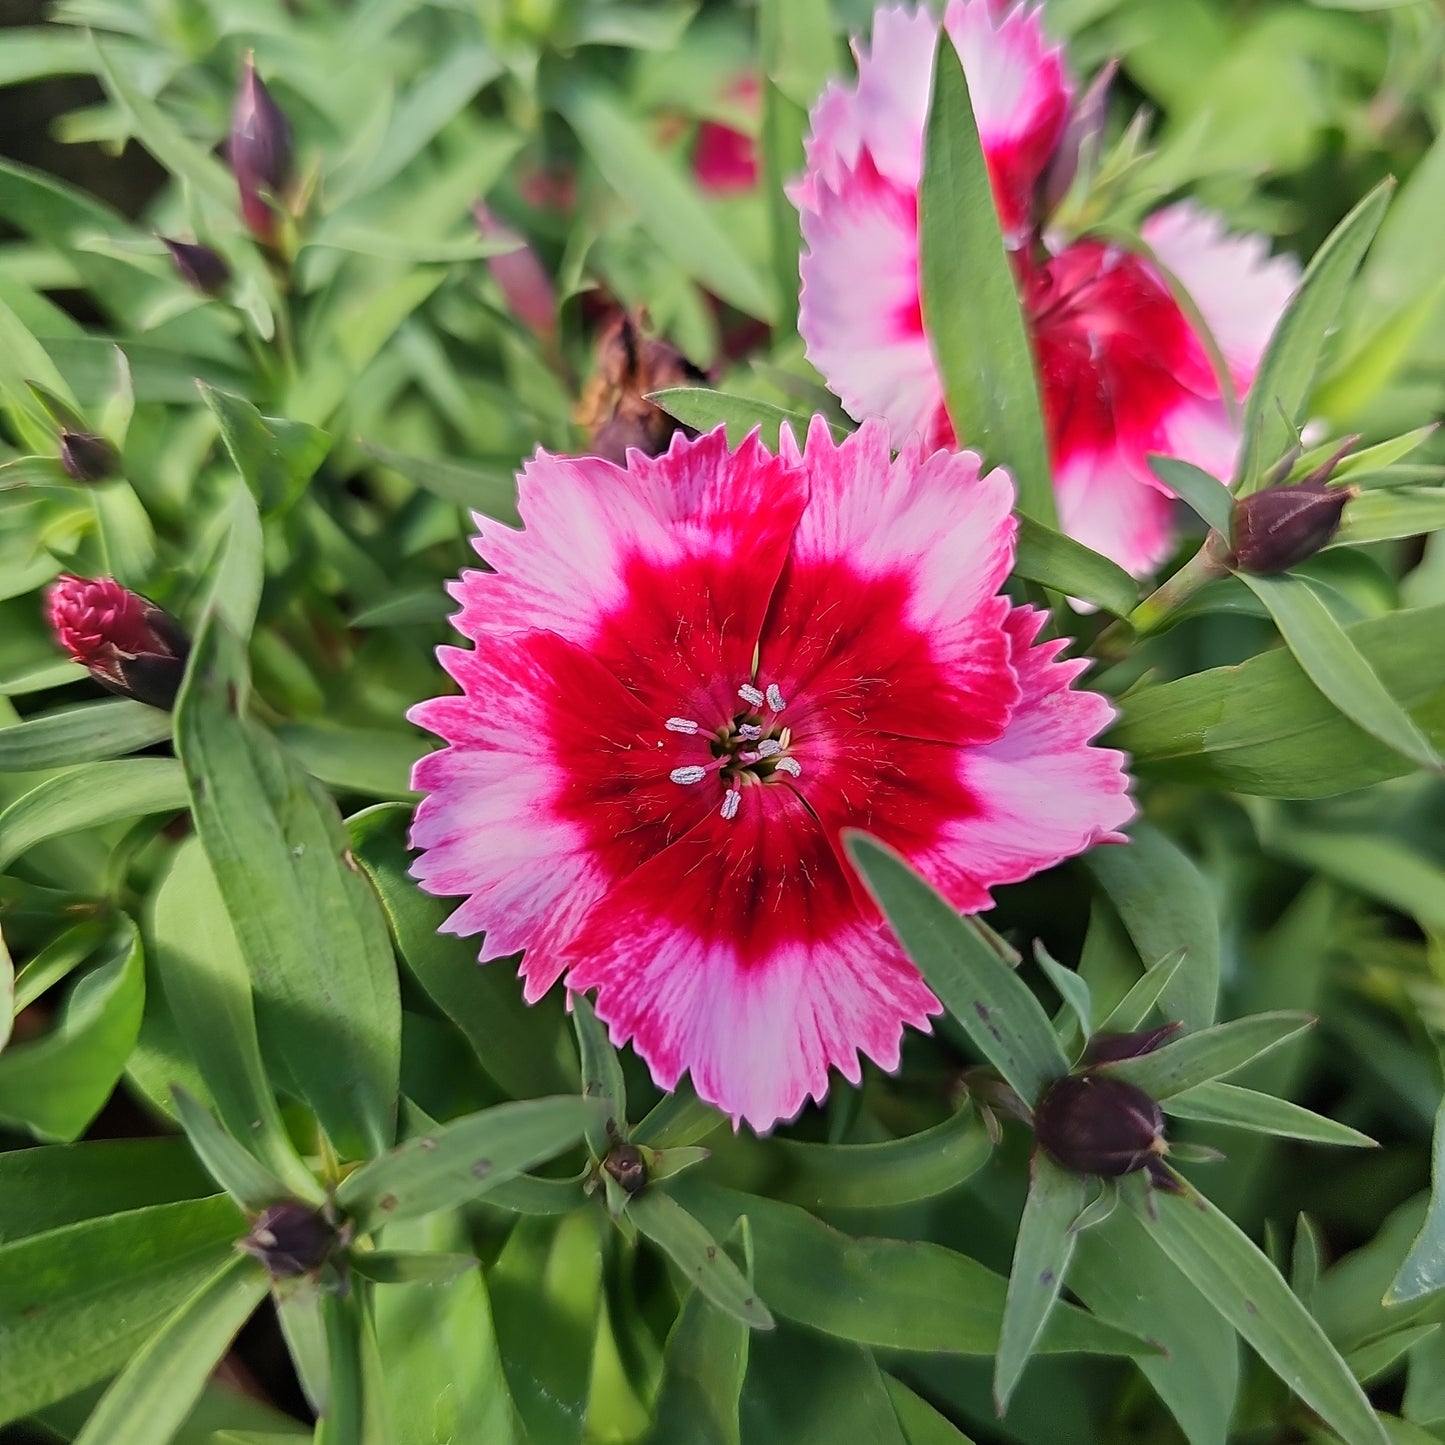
(680, 725)
(769, 748)
(731, 802)
(750, 694)
(775, 697)
(688, 775)
(749, 732)
(789, 766)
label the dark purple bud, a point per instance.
(1079, 140)
(1111, 1048)
(87, 457)
(260, 152)
(1095, 1125)
(290, 1239)
(624, 1162)
(128, 644)
(199, 266)
(1277, 528)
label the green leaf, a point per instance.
(970, 301)
(677, 1119)
(55, 1085)
(1209, 1054)
(703, 409)
(1042, 1252)
(1326, 652)
(921, 1423)
(1220, 1103)
(77, 1302)
(8, 1006)
(90, 796)
(1279, 395)
(520, 1047)
(601, 1078)
(354, 1413)
(1131, 1010)
(694, 1251)
(442, 1370)
(703, 1368)
(1229, 1270)
(275, 457)
(1053, 560)
(248, 1182)
(460, 1161)
(882, 1292)
(418, 1266)
(993, 1005)
(1070, 987)
(667, 207)
(56, 961)
(1263, 727)
(490, 489)
(1423, 1271)
(208, 987)
(82, 734)
(1166, 904)
(1205, 495)
(880, 1176)
(374, 762)
(153, 1395)
(308, 924)
(805, 1390)
(237, 567)
(1382, 516)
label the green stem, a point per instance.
(1206, 565)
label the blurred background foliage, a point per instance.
(377, 376)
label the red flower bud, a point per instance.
(260, 152)
(199, 266)
(525, 285)
(1277, 528)
(1096, 1125)
(87, 457)
(1111, 1048)
(290, 1239)
(128, 644)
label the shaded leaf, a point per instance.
(1053, 560)
(1221, 1103)
(1423, 1271)
(82, 734)
(1209, 1054)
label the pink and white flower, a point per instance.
(1123, 370)
(685, 679)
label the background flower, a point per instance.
(1123, 369)
(687, 678)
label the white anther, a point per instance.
(688, 775)
(769, 748)
(680, 725)
(789, 766)
(731, 802)
(750, 694)
(775, 697)
(750, 732)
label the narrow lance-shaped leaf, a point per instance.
(989, 1000)
(601, 1078)
(246, 1180)
(1229, 1270)
(1053, 560)
(1131, 1010)
(1220, 1103)
(1338, 668)
(153, 1395)
(1210, 1054)
(1042, 1252)
(1423, 1271)
(970, 302)
(1205, 495)
(462, 1160)
(306, 919)
(82, 734)
(1279, 394)
(697, 1254)
(703, 409)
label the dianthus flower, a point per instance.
(1123, 370)
(687, 677)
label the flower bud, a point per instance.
(128, 644)
(626, 1165)
(199, 266)
(525, 285)
(1097, 1125)
(1277, 528)
(290, 1239)
(87, 457)
(615, 408)
(1111, 1048)
(259, 149)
